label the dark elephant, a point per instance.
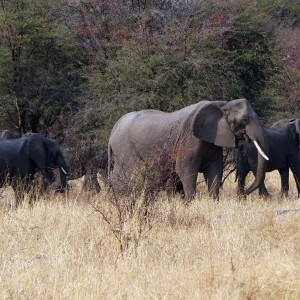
(49, 177)
(8, 135)
(86, 161)
(284, 154)
(183, 143)
(21, 158)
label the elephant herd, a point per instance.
(163, 151)
(22, 158)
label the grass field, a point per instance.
(70, 248)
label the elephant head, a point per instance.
(225, 123)
(292, 125)
(46, 155)
(8, 135)
(297, 126)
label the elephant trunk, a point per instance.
(63, 179)
(63, 172)
(256, 133)
(260, 174)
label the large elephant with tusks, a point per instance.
(180, 144)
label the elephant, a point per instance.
(86, 161)
(49, 177)
(21, 158)
(8, 135)
(284, 154)
(182, 143)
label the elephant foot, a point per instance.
(13, 203)
(241, 194)
(265, 195)
(214, 195)
(186, 202)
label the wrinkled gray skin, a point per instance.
(21, 158)
(85, 161)
(183, 143)
(284, 154)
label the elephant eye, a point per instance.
(244, 121)
(52, 156)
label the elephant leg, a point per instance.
(295, 168)
(189, 182)
(242, 171)
(170, 186)
(179, 188)
(187, 168)
(207, 159)
(18, 187)
(263, 192)
(95, 183)
(48, 179)
(104, 177)
(86, 186)
(213, 178)
(29, 186)
(91, 182)
(284, 175)
(173, 186)
(241, 183)
(188, 177)
(31, 190)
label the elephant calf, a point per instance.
(85, 161)
(284, 154)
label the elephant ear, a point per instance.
(293, 128)
(210, 125)
(297, 125)
(36, 151)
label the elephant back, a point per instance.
(8, 135)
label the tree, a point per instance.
(40, 69)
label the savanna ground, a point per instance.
(82, 247)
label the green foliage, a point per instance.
(40, 74)
(78, 68)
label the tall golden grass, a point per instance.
(62, 248)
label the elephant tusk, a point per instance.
(260, 151)
(63, 170)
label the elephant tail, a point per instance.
(297, 125)
(237, 154)
(110, 164)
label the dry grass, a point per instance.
(235, 249)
